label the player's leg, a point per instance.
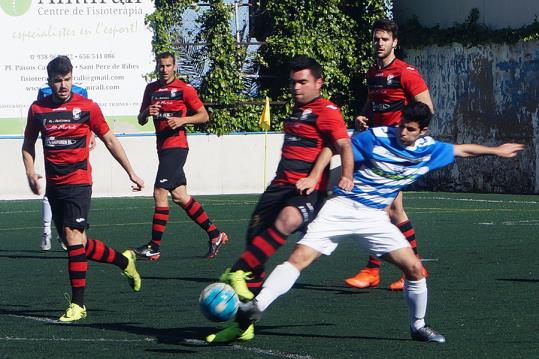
(151, 250)
(415, 294)
(77, 268)
(164, 182)
(399, 218)
(265, 213)
(196, 212)
(46, 215)
(279, 282)
(283, 277)
(297, 211)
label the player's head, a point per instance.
(415, 120)
(385, 34)
(166, 66)
(305, 79)
(60, 79)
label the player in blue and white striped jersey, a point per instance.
(386, 161)
(384, 166)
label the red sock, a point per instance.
(257, 253)
(159, 224)
(97, 251)
(409, 232)
(374, 263)
(195, 211)
(77, 266)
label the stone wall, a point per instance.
(487, 95)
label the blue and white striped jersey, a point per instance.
(383, 166)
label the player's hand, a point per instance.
(346, 184)
(306, 186)
(175, 122)
(92, 142)
(33, 182)
(154, 109)
(138, 183)
(508, 150)
(361, 123)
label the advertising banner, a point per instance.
(106, 40)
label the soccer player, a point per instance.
(65, 121)
(285, 207)
(173, 104)
(392, 84)
(46, 212)
(386, 160)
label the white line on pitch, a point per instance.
(475, 200)
(532, 222)
(88, 340)
(429, 259)
(274, 353)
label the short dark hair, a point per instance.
(303, 62)
(165, 55)
(386, 25)
(417, 112)
(60, 65)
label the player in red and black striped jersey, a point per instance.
(392, 84)
(66, 121)
(296, 193)
(173, 104)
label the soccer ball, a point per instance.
(219, 302)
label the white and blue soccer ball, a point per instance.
(219, 302)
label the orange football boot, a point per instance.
(366, 278)
(398, 285)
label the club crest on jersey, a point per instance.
(172, 93)
(389, 79)
(305, 114)
(76, 113)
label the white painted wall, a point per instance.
(496, 14)
(215, 165)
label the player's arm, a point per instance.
(117, 151)
(147, 108)
(344, 148)
(307, 184)
(28, 158)
(425, 98)
(200, 116)
(506, 150)
(362, 121)
(92, 141)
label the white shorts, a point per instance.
(342, 218)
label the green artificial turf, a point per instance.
(481, 252)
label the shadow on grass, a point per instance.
(33, 254)
(336, 289)
(518, 280)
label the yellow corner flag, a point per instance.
(265, 118)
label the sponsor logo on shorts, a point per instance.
(304, 213)
(163, 180)
(79, 220)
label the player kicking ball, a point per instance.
(387, 159)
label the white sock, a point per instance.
(280, 281)
(415, 295)
(46, 213)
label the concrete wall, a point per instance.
(496, 14)
(215, 165)
(490, 95)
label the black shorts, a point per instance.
(275, 198)
(170, 173)
(70, 205)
